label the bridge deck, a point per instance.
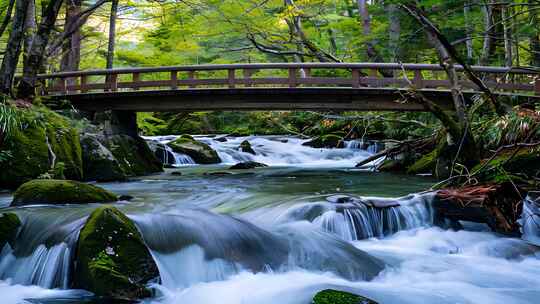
(285, 86)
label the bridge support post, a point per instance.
(121, 123)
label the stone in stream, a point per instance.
(331, 296)
(248, 165)
(112, 259)
(99, 163)
(161, 152)
(133, 155)
(326, 141)
(245, 147)
(176, 173)
(50, 191)
(9, 226)
(370, 202)
(221, 139)
(200, 152)
(530, 218)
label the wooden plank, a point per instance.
(418, 79)
(247, 76)
(231, 78)
(62, 85)
(355, 78)
(191, 76)
(136, 79)
(174, 80)
(537, 86)
(84, 80)
(292, 78)
(113, 82)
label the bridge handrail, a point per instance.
(314, 65)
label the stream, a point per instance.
(279, 234)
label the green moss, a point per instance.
(200, 152)
(426, 164)
(326, 141)
(330, 296)
(133, 155)
(9, 225)
(29, 151)
(112, 259)
(60, 192)
(525, 162)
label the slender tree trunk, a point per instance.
(71, 50)
(13, 47)
(7, 17)
(395, 31)
(30, 27)
(365, 21)
(507, 30)
(112, 34)
(534, 39)
(32, 65)
(468, 30)
(489, 34)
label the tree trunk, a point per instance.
(71, 48)
(488, 47)
(534, 39)
(7, 17)
(507, 30)
(30, 27)
(13, 47)
(395, 31)
(468, 30)
(112, 34)
(365, 21)
(32, 65)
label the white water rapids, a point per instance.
(280, 234)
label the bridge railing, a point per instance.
(292, 75)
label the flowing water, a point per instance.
(279, 234)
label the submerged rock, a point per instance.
(9, 226)
(221, 139)
(48, 191)
(176, 173)
(98, 162)
(245, 147)
(326, 141)
(200, 152)
(248, 165)
(330, 296)
(112, 259)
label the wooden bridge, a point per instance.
(277, 86)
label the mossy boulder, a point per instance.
(326, 141)
(133, 155)
(9, 226)
(330, 296)
(98, 162)
(245, 147)
(112, 259)
(46, 136)
(200, 152)
(48, 191)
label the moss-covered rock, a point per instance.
(326, 141)
(133, 155)
(112, 259)
(426, 164)
(47, 191)
(46, 136)
(98, 162)
(245, 146)
(9, 226)
(200, 152)
(330, 296)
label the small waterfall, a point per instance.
(180, 159)
(362, 218)
(42, 253)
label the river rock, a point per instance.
(326, 141)
(9, 226)
(160, 151)
(99, 163)
(133, 155)
(530, 218)
(47, 191)
(248, 165)
(331, 296)
(112, 259)
(200, 152)
(245, 147)
(221, 139)
(30, 149)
